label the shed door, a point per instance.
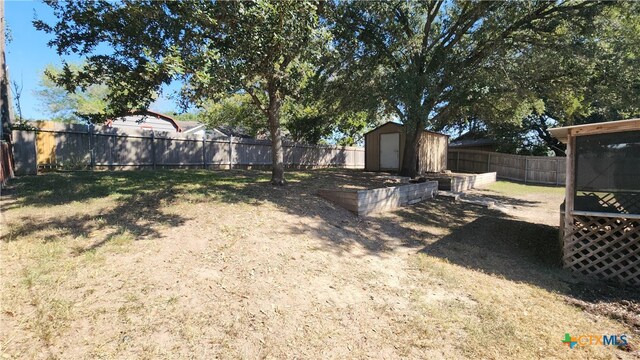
(390, 151)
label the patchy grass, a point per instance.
(510, 188)
(205, 264)
(496, 318)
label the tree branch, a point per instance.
(256, 100)
(404, 20)
(433, 10)
(380, 45)
(491, 43)
(467, 18)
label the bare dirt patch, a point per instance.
(179, 264)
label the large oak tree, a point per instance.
(215, 48)
(581, 73)
(427, 61)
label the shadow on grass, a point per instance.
(502, 200)
(478, 239)
(137, 215)
(136, 208)
(497, 244)
(528, 252)
(140, 196)
(63, 188)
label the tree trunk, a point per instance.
(277, 152)
(541, 128)
(5, 109)
(410, 153)
(558, 151)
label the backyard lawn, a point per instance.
(219, 264)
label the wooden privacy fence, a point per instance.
(81, 147)
(6, 166)
(528, 169)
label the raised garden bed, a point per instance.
(368, 201)
(458, 182)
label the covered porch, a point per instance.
(601, 217)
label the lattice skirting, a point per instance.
(608, 248)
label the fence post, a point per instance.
(204, 150)
(153, 149)
(557, 172)
(457, 160)
(92, 145)
(35, 145)
(488, 162)
(526, 168)
(293, 155)
(114, 139)
(230, 152)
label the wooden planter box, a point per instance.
(363, 202)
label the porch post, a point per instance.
(570, 190)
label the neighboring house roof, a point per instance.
(391, 123)
(185, 127)
(195, 127)
(472, 138)
(471, 142)
(160, 116)
(233, 131)
(190, 126)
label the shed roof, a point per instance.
(561, 133)
(398, 124)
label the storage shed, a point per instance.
(600, 224)
(384, 148)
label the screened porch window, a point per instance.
(608, 173)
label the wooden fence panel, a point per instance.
(562, 171)
(217, 152)
(360, 158)
(171, 151)
(541, 171)
(288, 154)
(252, 153)
(103, 149)
(474, 162)
(132, 151)
(81, 146)
(6, 165)
(46, 145)
(508, 166)
(24, 152)
(72, 149)
(316, 155)
(530, 169)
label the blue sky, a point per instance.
(28, 54)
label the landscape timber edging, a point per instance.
(364, 202)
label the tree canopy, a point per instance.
(432, 62)
(260, 48)
(322, 69)
(62, 105)
(584, 73)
